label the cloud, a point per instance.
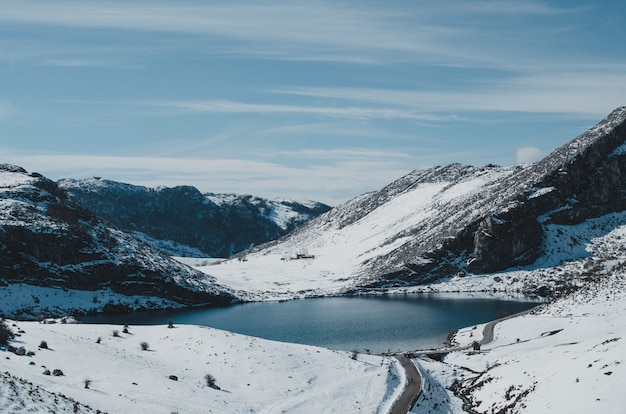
(355, 32)
(528, 155)
(353, 112)
(593, 91)
(332, 181)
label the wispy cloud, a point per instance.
(590, 94)
(527, 155)
(354, 112)
(428, 31)
(331, 182)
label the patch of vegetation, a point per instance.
(211, 381)
(5, 333)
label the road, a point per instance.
(413, 388)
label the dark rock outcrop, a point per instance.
(216, 225)
(469, 219)
(48, 240)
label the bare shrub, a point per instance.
(5, 333)
(144, 346)
(211, 381)
(116, 333)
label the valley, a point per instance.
(553, 229)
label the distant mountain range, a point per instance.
(184, 222)
(432, 225)
(115, 240)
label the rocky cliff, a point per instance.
(47, 240)
(184, 222)
(455, 220)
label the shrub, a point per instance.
(170, 324)
(57, 373)
(98, 340)
(211, 381)
(116, 333)
(125, 329)
(43, 345)
(5, 333)
(144, 346)
(87, 383)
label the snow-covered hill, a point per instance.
(68, 253)
(169, 376)
(453, 221)
(183, 222)
(565, 357)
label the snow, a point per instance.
(541, 191)
(567, 356)
(341, 253)
(29, 301)
(254, 375)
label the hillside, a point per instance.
(181, 221)
(453, 221)
(252, 375)
(57, 256)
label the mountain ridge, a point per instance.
(47, 240)
(211, 225)
(452, 220)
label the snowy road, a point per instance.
(413, 388)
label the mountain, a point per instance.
(52, 244)
(451, 221)
(184, 222)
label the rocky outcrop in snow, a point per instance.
(50, 241)
(455, 220)
(184, 222)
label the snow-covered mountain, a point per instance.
(58, 253)
(448, 221)
(184, 222)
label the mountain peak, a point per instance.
(455, 219)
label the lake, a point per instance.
(364, 323)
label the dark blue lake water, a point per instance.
(374, 323)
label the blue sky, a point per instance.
(308, 100)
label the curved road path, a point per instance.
(414, 387)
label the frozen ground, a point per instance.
(254, 375)
(567, 357)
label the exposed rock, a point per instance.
(446, 221)
(217, 225)
(48, 240)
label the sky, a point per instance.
(320, 100)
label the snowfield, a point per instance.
(254, 375)
(565, 357)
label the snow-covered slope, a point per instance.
(565, 357)
(254, 375)
(445, 221)
(183, 222)
(57, 245)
